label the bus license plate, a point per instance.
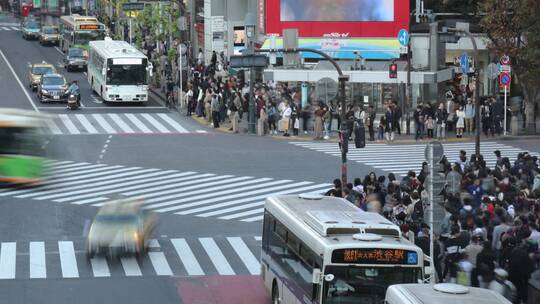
(56, 97)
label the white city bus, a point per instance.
(319, 249)
(118, 72)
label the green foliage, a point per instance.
(171, 54)
(513, 27)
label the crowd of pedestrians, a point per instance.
(490, 234)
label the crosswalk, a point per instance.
(117, 123)
(9, 27)
(399, 159)
(227, 197)
(233, 255)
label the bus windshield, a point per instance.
(20, 141)
(85, 37)
(126, 74)
(364, 284)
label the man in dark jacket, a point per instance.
(521, 267)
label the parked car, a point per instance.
(36, 71)
(75, 58)
(52, 87)
(49, 35)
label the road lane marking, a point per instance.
(54, 127)
(161, 128)
(100, 267)
(216, 256)
(131, 267)
(6, 28)
(172, 123)
(104, 124)
(162, 187)
(59, 50)
(86, 124)
(15, 28)
(187, 257)
(69, 124)
(19, 81)
(253, 219)
(139, 124)
(212, 178)
(8, 256)
(68, 260)
(242, 214)
(38, 269)
(161, 266)
(251, 262)
(118, 121)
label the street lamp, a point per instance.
(250, 21)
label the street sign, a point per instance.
(132, 6)
(464, 63)
(439, 181)
(403, 37)
(493, 71)
(438, 151)
(505, 79)
(505, 68)
(248, 61)
(505, 60)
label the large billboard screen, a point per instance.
(332, 10)
(335, 18)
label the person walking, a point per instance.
(486, 118)
(441, 116)
(235, 106)
(469, 116)
(430, 125)
(321, 113)
(460, 124)
(398, 115)
(382, 127)
(273, 116)
(370, 121)
(286, 118)
(418, 122)
(390, 123)
(215, 107)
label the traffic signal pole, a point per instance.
(342, 78)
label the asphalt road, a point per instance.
(207, 187)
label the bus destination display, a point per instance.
(375, 256)
(89, 26)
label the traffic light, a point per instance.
(392, 71)
(359, 136)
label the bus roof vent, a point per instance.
(335, 222)
(310, 196)
(367, 237)
(451, 288)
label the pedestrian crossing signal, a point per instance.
(392, 71)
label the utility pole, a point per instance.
(250, 23)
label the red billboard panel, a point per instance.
(344, 18)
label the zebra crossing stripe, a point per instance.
(120, 123)
(187, 257)
(242, 214)
(153, 189)
(15, 28)
(213, 191)
(53, 127)
(86, 124)
(139, 124)
(172, 123)
(68, 260)
(68, 124)
(249, 199)
(131, 267)
(8, 258)
(100, 267)
(104, 124)
(155, 123)
(253, 219)
(252, 264)
(160, 264)
(181, 189)
(38, 269)
(6, 28)
(216, 256)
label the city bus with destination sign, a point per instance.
(319, 249)
(77, 31)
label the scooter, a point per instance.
(72, 102)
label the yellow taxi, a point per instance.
(37, 70)
(121, 227)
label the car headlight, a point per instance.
(43, 91)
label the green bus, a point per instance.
(22, 136)
(76, 31)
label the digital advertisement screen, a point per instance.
(375, 256)
(337, 10)
(239, 36)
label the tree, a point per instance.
(513, 27)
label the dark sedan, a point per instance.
(75, 59)
(52, 87)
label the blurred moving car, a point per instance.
(36, 71)
(75, 58)
(121, 227)
(31, 29)
(52, 87)
(49, 35)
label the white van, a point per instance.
(445, 293)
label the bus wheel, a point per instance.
(275, 294)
